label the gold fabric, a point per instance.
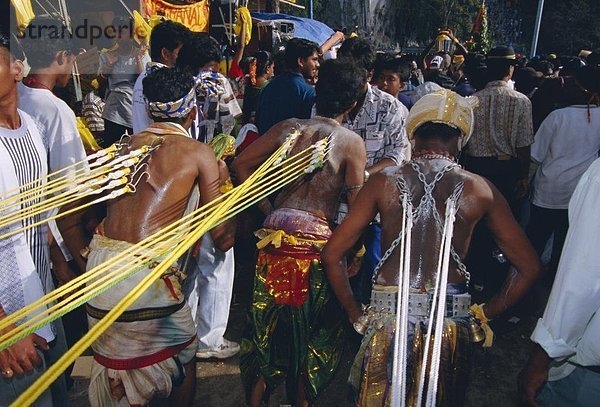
(446, 107)
(371, 374)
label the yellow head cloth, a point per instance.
(446, 107)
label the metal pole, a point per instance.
(310, 9)
(536, 30)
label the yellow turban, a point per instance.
(446, 107)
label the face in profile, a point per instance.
(11, 71)
(310, 66)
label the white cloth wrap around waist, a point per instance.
(160, 294)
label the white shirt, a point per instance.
(56, 123)
(57, 126)
(141, 120)
(24, 258)
(565, 145)
(569, 331)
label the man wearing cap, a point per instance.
(503, 132)
(499, 151)
(440, 124)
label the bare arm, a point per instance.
(239, 52)
(336, 37)
(524, 157)
(421, 60)
(209, 175)
(533, 376)
(344, 238)
(355, 168)
(516, 247)
(72, 230)
(380, 165)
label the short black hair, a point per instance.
(436, 130)
(263, 60)
(360, 51)
(4, 41)
(43, 38)
(497, 70)
(340, 84)
(167, 34)
(198, 51)
(398, 65)
(299, 48)
(167, 85)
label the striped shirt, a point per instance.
(24, 258)
(503, 122)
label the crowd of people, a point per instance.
(453, 184)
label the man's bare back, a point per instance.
(473, 204)
(317, 193)
(161, 197)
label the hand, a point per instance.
(339, 36)
(141, 51)
(111, 57)
(22, 356)
(521, 188)
(355, 313)
(532, 377)
(354, 266)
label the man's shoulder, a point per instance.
(388, 101)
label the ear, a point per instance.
(165, 54)
(300, 62)
(18, 69)
(61, 57)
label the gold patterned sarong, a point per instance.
(371, 373)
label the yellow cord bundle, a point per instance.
(158, 244)
(222, 212)
(108, 175)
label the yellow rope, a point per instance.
(110, 149)
(133, 251)
(217, 216)
(273, 181)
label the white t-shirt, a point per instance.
(57, 126)
(141, 120)
(56, 123)
(24, 258)
(565, 145)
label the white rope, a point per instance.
(425, 360)
(398, 365)
(441, 307)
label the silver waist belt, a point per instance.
(419, 304)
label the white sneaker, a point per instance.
(225, 350)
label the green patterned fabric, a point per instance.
(282, 342)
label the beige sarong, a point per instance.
(143, 353)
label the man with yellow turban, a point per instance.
(422, 268)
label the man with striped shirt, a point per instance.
(24, 258)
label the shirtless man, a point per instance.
(142, 357)
(295, 331)
(437, 138)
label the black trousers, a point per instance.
(542, 225)
(488, 269)
(113, 133)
